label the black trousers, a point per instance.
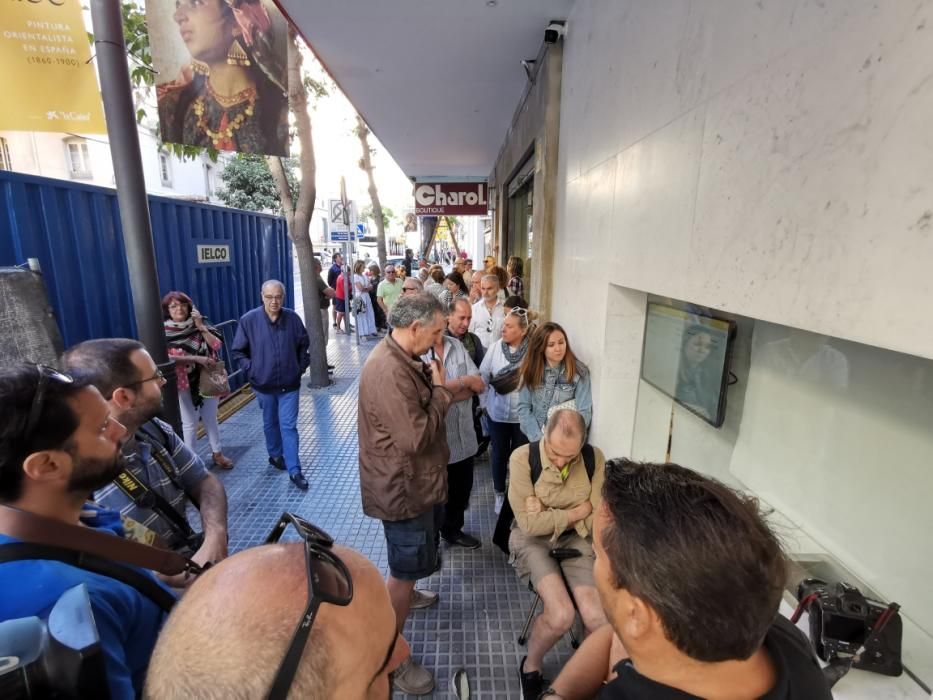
(459, 486)
(506, 437)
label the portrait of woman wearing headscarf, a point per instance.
(232, 94)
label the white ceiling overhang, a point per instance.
(436, 80)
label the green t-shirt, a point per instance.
(389, 292)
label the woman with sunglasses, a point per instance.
(551, 377)
(193, 344)
(500, 371)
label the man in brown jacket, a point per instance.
(403, 458)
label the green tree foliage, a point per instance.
(366, 214)
(248, 184)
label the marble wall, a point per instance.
(770, 159)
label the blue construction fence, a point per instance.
(218, 256)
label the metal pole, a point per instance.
(131, 188)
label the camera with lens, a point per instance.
(60, 657)
(844, 623)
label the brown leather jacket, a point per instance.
(403, 439)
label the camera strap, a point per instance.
(36, 529)
(145, 497)
(26, 551)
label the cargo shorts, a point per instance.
(413, 544)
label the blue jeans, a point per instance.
(280, 423)
(504, 439)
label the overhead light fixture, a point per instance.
(492, 3)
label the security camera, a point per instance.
(553, 32)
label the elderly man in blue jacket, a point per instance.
(271, 347)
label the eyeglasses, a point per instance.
(335, 588)
(157, 377)
(46, 374)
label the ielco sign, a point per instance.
(213, 254)
(451, 198)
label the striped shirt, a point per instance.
(141, 463)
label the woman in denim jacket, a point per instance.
(551, 375)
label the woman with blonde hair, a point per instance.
(500, 370)
(551, 377)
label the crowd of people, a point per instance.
(677, 578)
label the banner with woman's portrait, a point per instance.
(221, 73)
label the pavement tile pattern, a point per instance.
(482, 604)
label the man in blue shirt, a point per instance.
(271, 347)
(58, 443)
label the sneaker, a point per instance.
(533, 684)
(462, 539)
(460, 684)
(500, 499)
(423, 599)
(298, 479)
(277, 462)
(413, 678)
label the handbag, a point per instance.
(214, 381)
(506, 382)
(357, 305)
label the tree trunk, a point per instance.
(366, 164)
(428, 231)
(298, 214)
(452, 230)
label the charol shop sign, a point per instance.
(451, 198)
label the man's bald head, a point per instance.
(569, 424)
(227, 637)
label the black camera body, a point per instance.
(842, 619)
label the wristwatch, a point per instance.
(549, 692)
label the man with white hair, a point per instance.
(271, 347)
(488, 313)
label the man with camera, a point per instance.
(554, 489)
(58, 442)
(404, 455)
(161, 474)
(691, 579)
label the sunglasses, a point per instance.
(409, 289)
(46, 375)
(518, 311)
(329, 581)
(157, 377)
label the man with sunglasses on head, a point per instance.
(240, 630)
(162, 474)
(488, 313)
(58, 442)
(403, 457)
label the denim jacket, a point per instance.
(533, 404)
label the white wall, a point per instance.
(771, 160)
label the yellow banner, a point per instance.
(48, 83)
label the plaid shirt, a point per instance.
(140, 462)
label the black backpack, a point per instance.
(504, 522)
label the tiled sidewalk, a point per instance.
(482, 605)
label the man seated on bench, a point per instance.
(691, 578)
(554, 493)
